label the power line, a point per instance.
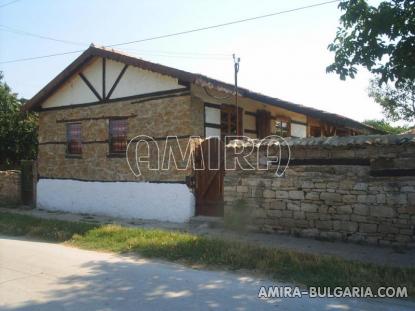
(185, 55)
(8, 3)
(225, 24)
(180, 53)
(181, 32)
(188, 55)
(25, 33)
(39, 57)
(149, 54)
(191, 55)
(80, 51)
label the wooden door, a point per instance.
(209, 178)
(231, 123)
(27, 182)
(263, 123)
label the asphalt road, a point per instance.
(43, 276)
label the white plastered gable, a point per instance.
(124, 82)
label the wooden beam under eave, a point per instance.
(103, 76)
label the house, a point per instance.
(89, 112)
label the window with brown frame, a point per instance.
(282, 127)
(118, 135)
(73, 138)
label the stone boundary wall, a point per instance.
(359, 189)
(10, 189)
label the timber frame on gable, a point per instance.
(104, 97)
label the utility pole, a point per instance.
(236, 70)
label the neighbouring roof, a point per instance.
(334, 141)
(186, 77)
(391, 139)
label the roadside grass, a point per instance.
(281, 265)
(44, 229)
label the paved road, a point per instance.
(43, 276)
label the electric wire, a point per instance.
(178, 33)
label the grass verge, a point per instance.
(282, 265)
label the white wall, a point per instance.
(72, 92)
(163, 201)
(93, 72)
(135, 81)
(112, 71)
(249, 122)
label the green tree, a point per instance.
(18, 131)
(385, 126)
(398, 103)
(381, 39)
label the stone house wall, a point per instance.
(359, 189)
(98, 182)
(155, 117)
(10, 189)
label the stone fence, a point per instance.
(359, 189)
(10, 187)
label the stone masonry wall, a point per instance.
(155, 117)
(337, 188)
(10, 190)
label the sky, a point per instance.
(284, 56)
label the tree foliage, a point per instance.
(385, 126)
(398, 103)
(381, 39)
(18, 131)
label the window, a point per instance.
(282, 127)
(118, 135)
(73, 138)
(315, 131)
(298, 130)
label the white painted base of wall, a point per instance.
(159, 201)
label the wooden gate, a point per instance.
(209, 175)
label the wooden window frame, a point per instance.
(69, 137)
(207, 124)
(314, 128)
(282, 119)
(111, 149)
